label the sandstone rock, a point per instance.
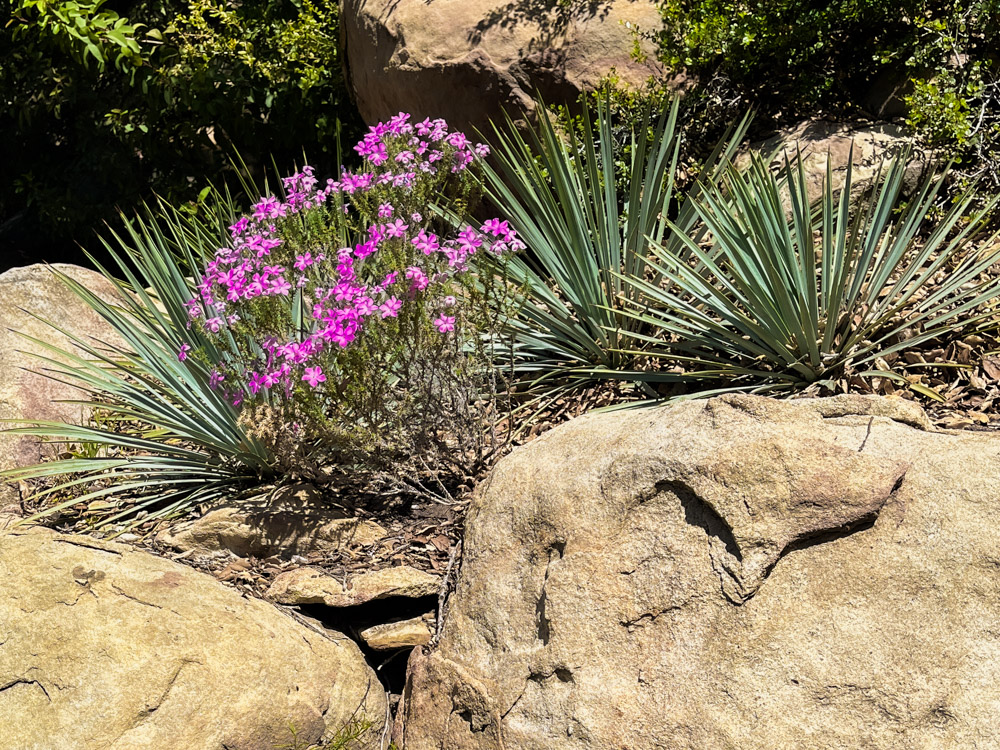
(295, 522)
(818, 139)
(417, 631)
(468, 60)
(104, 646)
(313, 586)
(733, 573)
(25, 394)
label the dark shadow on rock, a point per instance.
(552, 18)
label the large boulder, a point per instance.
(104, 646)
(28, 297)
(735, 573)
(469, 60)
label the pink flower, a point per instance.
(183, 353)
(445, 323)
(418, 277)
(346, 271)
(280, 286)
(448, 301)
(239, 227)
(457, 257)
(365, 306)
(385, 210)
(396, 229)
(390, 308)
(366, 248)
(314, 376)
(426, 243)
(469, 240)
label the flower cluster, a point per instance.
(284, 276)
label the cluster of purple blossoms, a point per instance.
(351, 288)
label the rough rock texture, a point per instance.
(468, 60)
(734, 574)
(816, 139)
(313, 586)
(103, 646)
(24, 292)
(295, 522)
(417, 631)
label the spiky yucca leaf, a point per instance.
(789, 293)
(179, 442)
(584, 236)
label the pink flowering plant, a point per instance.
(350, 311)
(342, 329)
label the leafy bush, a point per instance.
(791, 60)
(775, 303)
(102, 109)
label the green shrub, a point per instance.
(776, 303)
(102, 109)
(586, 203)
(362, 329)
(792, 60)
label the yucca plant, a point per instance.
(166, 440)
(786, 292)
(585, 237)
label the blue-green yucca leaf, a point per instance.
(181, 442)
(791, 292)
(585, 234)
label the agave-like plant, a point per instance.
(167, 441)
(585, 237)
(786, 292)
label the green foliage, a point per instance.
(955, 79)
(103, 109)
(356, 734)
(790, 59)
(279, 61)
(777, 303)
(84, 30)
(585, 231)
(806, 54)
(165, 440)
